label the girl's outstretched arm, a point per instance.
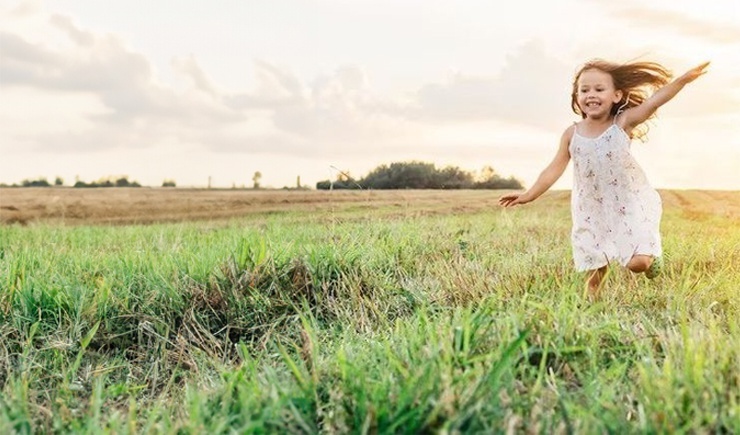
(637, 115)
(547, 178)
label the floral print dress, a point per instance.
(616, 213)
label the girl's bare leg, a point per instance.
(595, 280)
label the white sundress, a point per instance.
(616, 213)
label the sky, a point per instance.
(193, 91)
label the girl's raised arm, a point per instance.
(637, 115)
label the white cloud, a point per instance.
(26, 9)
(190, 68)
(276, 87)
(65, 23)
(336, 113)
(681, 24)
(139, 111)
(531, 89)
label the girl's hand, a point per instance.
(510, 200)
(694, 73)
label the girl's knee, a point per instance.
(639, 263)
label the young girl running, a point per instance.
(616, 213)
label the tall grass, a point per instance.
(372, 324)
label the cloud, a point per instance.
(65, 24)
(139, 110)
(681, 24)
(336, 114)
(532, 89)
(276, 87)
(281, 114)
(26, 9)
(701, 99)
(189, 66)
(20, 56)
(104, 66)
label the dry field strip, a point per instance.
(124, 206)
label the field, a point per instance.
(121, 206)
(232, 311)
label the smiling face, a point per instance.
(595, 94)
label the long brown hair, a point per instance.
(636, 80)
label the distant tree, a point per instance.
(59, 181)
(122, 182)
(497, 182)
(256, 179)
(453, 177)
(168, 183)
(41, 182)
(108, 182)
(486, 173)
(406, 175)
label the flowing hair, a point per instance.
(636, 80)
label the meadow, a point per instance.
(356, 312)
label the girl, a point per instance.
(615, 211)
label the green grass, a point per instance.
(357, 322)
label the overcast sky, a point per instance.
(187, 90)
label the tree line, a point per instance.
(422, 175)
(399, 175)
(103, 182)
